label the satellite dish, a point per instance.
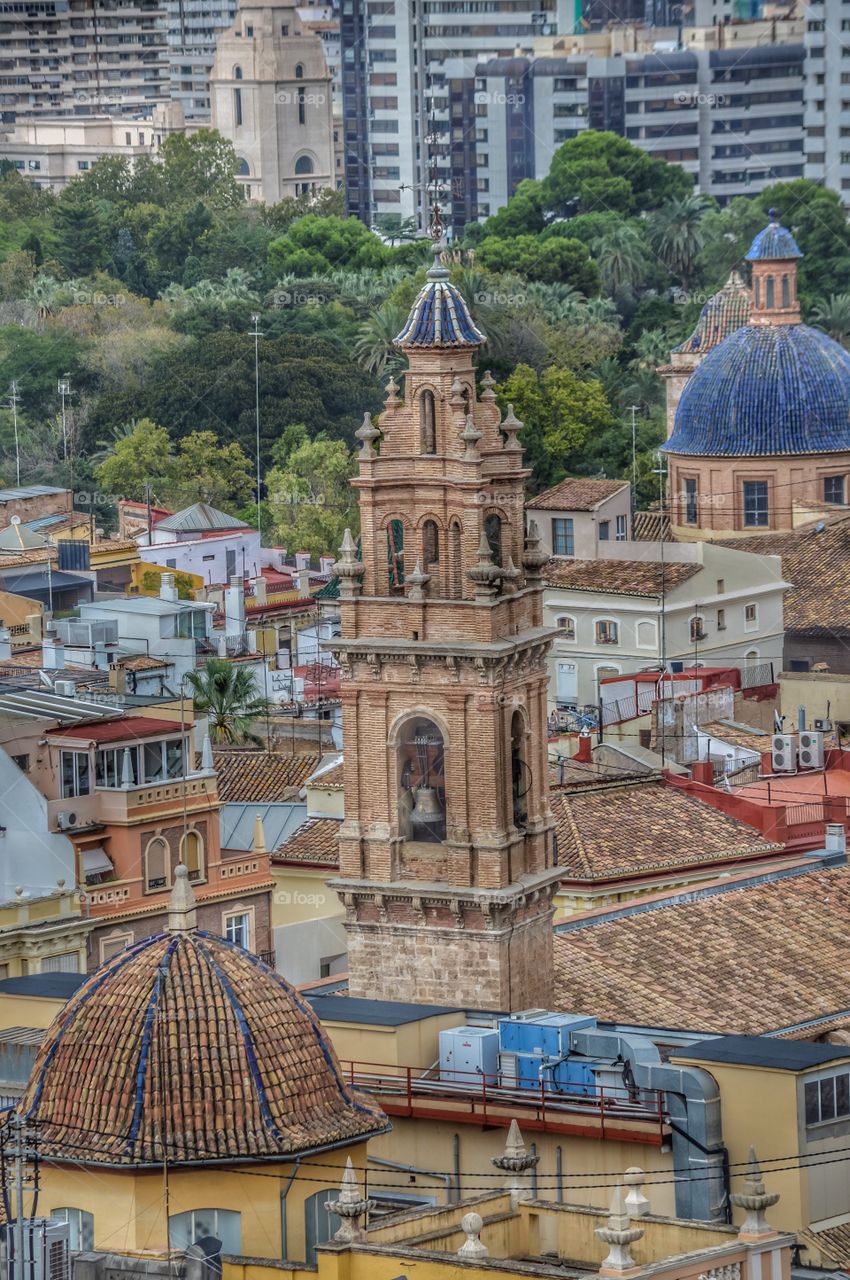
(16, 520)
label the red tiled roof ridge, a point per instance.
(576, 493)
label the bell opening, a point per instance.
(422, 786)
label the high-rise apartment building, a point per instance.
(193, 29)
(827, 93)
(81, 57)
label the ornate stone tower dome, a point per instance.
(187, 1046)
(439, 317)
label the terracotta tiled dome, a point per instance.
(187, 1036)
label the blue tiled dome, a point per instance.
(766, 389)
(439, 317)
(774, 242)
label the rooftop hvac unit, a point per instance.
(67, 820)
(64, 688)
(782, 756)
(823, 726)
(46, 1248)
(468, 1053)
(810, 749)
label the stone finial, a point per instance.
(417, 582)
(207, 762)
(472, 1225)
(259, 844)
(368, 434)
(488, 382)
(182, 916)
(755, 1199)
(533, 557)
(470, 437)
(392, 390)
(350, 1207)
(510, 576)
(348, 568)
(485, 574)
(618, 1234)
(517, 1162)
(637, 1205)
(456, 397)
(126, 769)
(511, 426)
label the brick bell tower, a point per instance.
(447, 852)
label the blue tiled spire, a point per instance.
(439, 317)
(723, 313)
(774, 242)
(766, 389)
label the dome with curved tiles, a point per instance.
(439, 317)
(186, 1046)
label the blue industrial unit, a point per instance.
(536, 1051)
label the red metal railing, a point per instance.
(423, 1091)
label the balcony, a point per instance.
(122, 805)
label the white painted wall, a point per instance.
(301, 947)
(208, 556)
(30, 855)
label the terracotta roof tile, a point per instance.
(832, 1242)
(630, 830)
(617, 577)
(142, 662)
(738, 735)
(576, 493)
(246, 775)
(262, 1082)
(330, 778)
(315, 841)
(742, 960)
(648, 526)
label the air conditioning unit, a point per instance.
(810, 749)
(823, 726)
(782, 757)
(67, 819)
(47, 1250)
(64, 688)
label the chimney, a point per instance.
(836, 838)
(234, 607)
(585, 749)
(52, 649)
(5, 644)
(34, 622)
(326, 564)
(302, 559)
(167, 589)
(260, 590)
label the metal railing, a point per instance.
(420, 1089)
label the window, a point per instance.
(128, 138)
(192, 854)
(304, 165)
(421, 782)
(299, 71)
(23, 763)
(755, 503)
(607, 632)
(237, 929)
(493, 533)
(567, 627)
(751, 616)
(157, 856)
(82, 165)
(563, 542)
(225, 1225)
(622, 529)
(113, 945)
(604, 530)
(237, 107)
(427, 422)
(520, 773)
(65, 962)
(395, 556)
(430, 544)
(237, 73)
(697, 630)
(827, 1099)
(833, 489)
(76, 780)
(646, 634)
(721, 619)
(786, 297)
(302, 115)
(206, 558)
(721, 586)
(691, 501)
(82, 1228)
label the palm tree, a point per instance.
(227, 695)
(653, 348)
(106, 448)
(374, 348)
(832, 315)
(44, 294)
(645, 389)
(621, 254)
(677, 236)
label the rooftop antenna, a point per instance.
(13, 405)
(64, 388)
(661, 471)
(634, 409)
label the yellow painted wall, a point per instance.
(15, 610)
(302, 894)
(27, 1011)
(414, 1044)
(817, 692)
(129, 1208)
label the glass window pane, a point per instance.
(812, 1103)
(827, 1099)
(83, 779)
(174, 759)
(842, 1095)
(67, 774)
(153, 761)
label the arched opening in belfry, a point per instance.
(422, 784)
(520, 771)
(493, 534)
(428, 422)
(430, 545)
(395, 557)
(455, 560)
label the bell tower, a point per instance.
(447, 851)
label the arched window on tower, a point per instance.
(395, 557)
(757, 284)
(192, 854)
(156, 864)
(302, 110)
(770, 293)
(242, 168)
(304, 164)
(299, 71)
(455, 560)
(422, 784)
(493, 533)
(428, 422)
(237, 73)
(430, 545)
(520, 772)
(786, 292)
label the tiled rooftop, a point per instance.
(640, 827)
(576, 493)
(245, 775)
(738, 735)
(651, 526)
(316, 841)
(744, 960)
(832, 1242)
(617, 577)
(262, 1082)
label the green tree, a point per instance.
(524, 214)
(621, 252)
(817, 218)
(138, 457)
(550, 261)
(79, 235)
(677, 234)
(559, 413)
(374, 347)
(199, 166)
(832, 315)
(315, 244)
(311, 498)
(604, 172)
(205, 470)
(226, 694)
